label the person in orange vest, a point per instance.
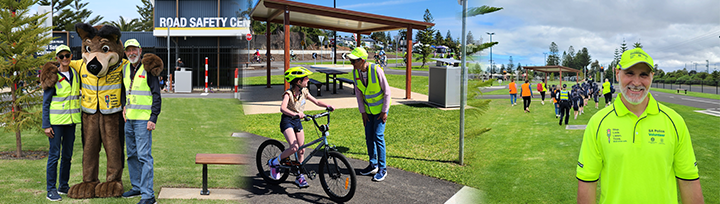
(526, 94)
(513, 92)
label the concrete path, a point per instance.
(260, 100)
(398, 187)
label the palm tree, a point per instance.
(123, 25)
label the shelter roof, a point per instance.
(315, 16)
(550, 69)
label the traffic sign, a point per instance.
(248, 37)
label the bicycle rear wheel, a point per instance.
(337, 177)
(268, 150)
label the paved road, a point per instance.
(693, 88)
(398, 187)
(697, 102)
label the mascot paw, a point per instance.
(48, 75)
(109, 189)
(152, 63)
(83, 190)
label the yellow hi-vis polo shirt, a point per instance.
(635, 158)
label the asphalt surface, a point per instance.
(398, 187)
(693, 88)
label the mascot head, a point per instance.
(102, 50)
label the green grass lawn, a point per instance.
(184, 128)
(525, 158)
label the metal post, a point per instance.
(463, 86)
(204, 181)
(206, 74)
(168, 59)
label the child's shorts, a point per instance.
(288, 122)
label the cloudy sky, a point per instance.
(673, 32)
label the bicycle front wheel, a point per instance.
(268, 150)
(337, 177)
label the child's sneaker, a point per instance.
(274, 172)
(381, 174)
(301, 182)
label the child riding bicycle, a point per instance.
(292, 108)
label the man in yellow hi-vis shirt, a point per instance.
(639, 149)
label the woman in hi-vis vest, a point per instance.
(373, 96)
(60, 114)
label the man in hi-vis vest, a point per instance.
(373, 96)
(60, 114)
(142, 107)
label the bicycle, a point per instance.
(337, 176)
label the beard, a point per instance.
(634, 99)
(133, 59)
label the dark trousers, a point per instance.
(526, 102)
(564, 111)
(61, 148)
(542, 94)
(608, 98)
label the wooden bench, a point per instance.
(681, 89)
(345, 80)
(223, 159)
(317, 84)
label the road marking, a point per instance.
(466, 195)
(698, 100)
(204, 94)
(709, 112)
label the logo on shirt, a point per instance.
(656, 136)
(608, 134)
(582, 166)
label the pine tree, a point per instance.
(146, 15)
(22, 38)
(81, 15)
(426, 38)
(469, 39)
(553, 58)
(124, 25)
(63, 18)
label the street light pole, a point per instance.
(492, 66)
(463, 86)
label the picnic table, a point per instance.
(332, 70)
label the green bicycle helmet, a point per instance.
(296, 72)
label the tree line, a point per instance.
(69, 12)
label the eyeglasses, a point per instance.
(64, 56)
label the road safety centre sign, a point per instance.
(201, 26)
(207, 22)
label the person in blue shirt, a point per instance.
(576, 99)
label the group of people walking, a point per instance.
(564, 98)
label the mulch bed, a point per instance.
(26, 155)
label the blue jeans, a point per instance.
(138, 140)
(557, 108)
(513, 98)
(63, 141)
(375, 140)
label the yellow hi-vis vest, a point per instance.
(606, 88)
(65, 105)
(544, 88)
(373, 95)
(138, 94)
(100, 93)
(564, 95)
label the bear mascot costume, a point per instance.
(100, 72)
